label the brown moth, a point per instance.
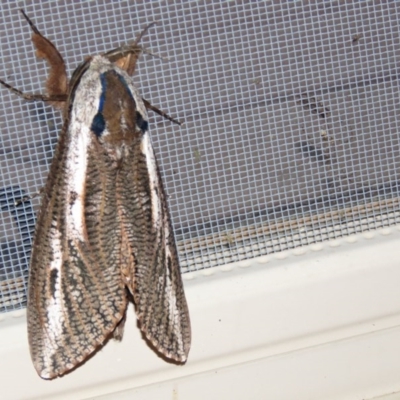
(103, 232)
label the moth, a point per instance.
(103, 234)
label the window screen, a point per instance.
(290, 133)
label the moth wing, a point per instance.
(156, 282)
(76, 295)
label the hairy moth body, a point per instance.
(103, 228)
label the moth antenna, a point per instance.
(150, 53)
(144, 31)
(144, 50)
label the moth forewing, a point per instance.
(103, 226)
(76, 294)
(163, 312)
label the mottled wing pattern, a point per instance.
(76, 293)
(156, 282)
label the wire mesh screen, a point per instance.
(290, 111)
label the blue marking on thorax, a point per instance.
(140, 121)
(123, 81)
(98, 123)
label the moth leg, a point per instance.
(57, 81)
(149, 106)
(28, 197)
(60, 98)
